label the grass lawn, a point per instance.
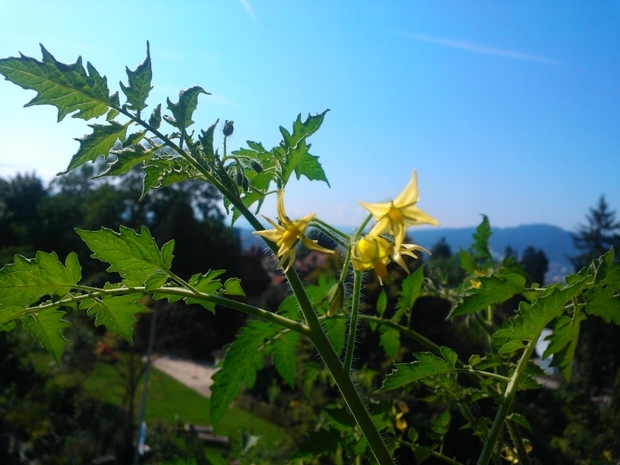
(167, 399)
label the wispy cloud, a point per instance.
(246, 5)
(470, 47)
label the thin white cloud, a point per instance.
(470, 47)
(246, 5)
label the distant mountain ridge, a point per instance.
(554, 241)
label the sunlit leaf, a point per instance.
(67, 87)
(28, 280)
(134, 256)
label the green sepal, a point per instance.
(67, 87)
(139, 84)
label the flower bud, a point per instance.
(335, 298)
(256, 166)
(228, 128)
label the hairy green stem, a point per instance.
(341, 377)
(504, 408)
(355, 308)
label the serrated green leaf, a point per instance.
(28, 280)
(481, 240)
(183, 110)
(449, 355)
(45, 326)
(511, 346)
(67, 87)
(9, 313)
(155, 281)
(532, 318)
(390, 340)
(139, 84)
(563, 342)
(134, 256)
(603, 301)
(303, 130)
(520, 420)
(409, 292)
(98, 143)
(155, 118)
(208, 284)
(8, 327)
(238, 366)
(206, 139)
(441, 424)
(382, 302)
(165, 170)
(300, 162)
(405, 373)
(467, 261)
(126, 159)
(493, 290)
(116, 313)
(285, 356)
(232, 286)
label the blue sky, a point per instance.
(511, 109)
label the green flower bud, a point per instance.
(256, 166)
(228, 128)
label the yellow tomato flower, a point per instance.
(373, 252)
(394, 217)
(288, 233)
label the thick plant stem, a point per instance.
(341, 377)
(504, 408)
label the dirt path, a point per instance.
(196, 376)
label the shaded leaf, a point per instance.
(98, 143)
(285, 356)
(238, 366)
(45, 326)
(183, 110)
(139, 84)
(116, 313)
(390, 340)
(563, 342)
(493, 290)
(405, 373)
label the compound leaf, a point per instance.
(67, 87)
(134, 256)
(563, 342)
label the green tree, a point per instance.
(593, 239)
(535, 263)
